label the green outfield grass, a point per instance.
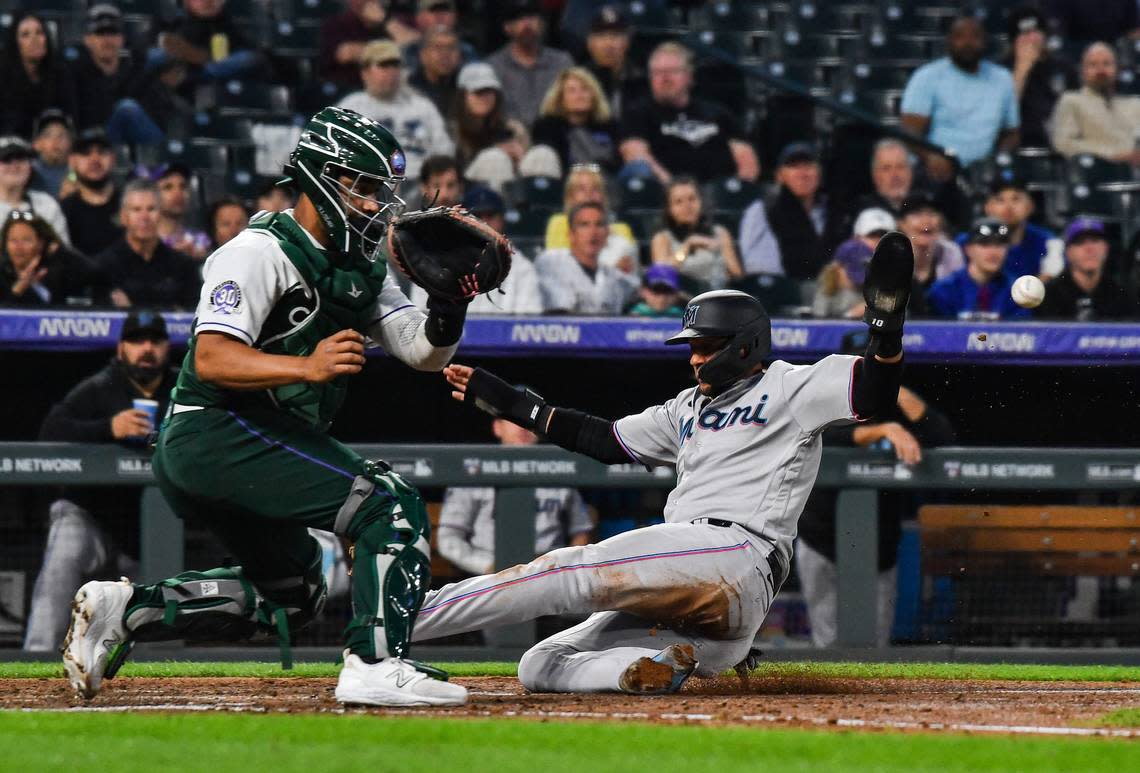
(241, 743)
(1001, 671)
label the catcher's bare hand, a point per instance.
(458, 376)
(341, 354)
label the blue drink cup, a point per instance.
(150, 408)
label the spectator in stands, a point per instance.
(607, 47)
(575, 121)
(436, 15)
(440, 182)
(793, 233)
(981, 289)
(674, 133)
(37, 270)
(33, 76)
(344, 36)
(141, 270)
(275, 198)
(93, 205)
(524, 65)
(701, 250)
(892, 174)
(492, 148)
(15, 175)
(840, 292)
(520, 293)
(227, 217)
(93, 532)
(436, 73)
(586, 184)
(1083, 291)
(173, 182)
(1032, 249)
(935, 256)
(409, 115)
(1039, 75)
(574, 281)
(207, 42)
(911, 425)
(660, 293)
(53, 135)
(112, 83)
(961, 102)
(1096, 119)
(466, 533)
(1079, 22)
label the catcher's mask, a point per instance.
(733, 315)
(350, 167)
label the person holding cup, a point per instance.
(93, 532)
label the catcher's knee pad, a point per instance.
(299, 599)
(391, 560)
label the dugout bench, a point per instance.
(1048, 555)
(516, 471)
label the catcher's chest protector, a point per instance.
(335, 297)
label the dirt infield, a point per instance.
(1040, 708)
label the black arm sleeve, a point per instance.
(876, 388)
(586, 434)
(444, 324)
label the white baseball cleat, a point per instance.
(663, 673)
(393, 682)
(97, 641)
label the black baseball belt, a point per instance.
(774, 559)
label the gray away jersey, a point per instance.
(751, 454)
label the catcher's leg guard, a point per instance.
(391, 561)
(224, 605)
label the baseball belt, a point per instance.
(775, 562)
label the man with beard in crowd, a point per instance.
(93, 532)
(92, 208)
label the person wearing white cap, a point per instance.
(840, 290)
(492, 148)
(389, 100)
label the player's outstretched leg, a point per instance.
(391, 571)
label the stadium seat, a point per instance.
(299, 39)
(247, 99)
(313, 10)
(738, 16)
(216, 128)
(823, 17)
(642, 193)
(204, 158)
(526, 223)
(731, 194)
(535, 193)
(736, 44)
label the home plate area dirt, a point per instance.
(1037, 708)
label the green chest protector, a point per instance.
(334, 294)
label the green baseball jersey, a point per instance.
(276, 289)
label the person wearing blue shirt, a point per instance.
(1032, 249)
(961, 102)
(982, 288)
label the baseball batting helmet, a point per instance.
(341, 159)
(733, 315)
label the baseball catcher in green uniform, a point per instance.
(285, 313)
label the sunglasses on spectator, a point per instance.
(385, 64)
(585, 168)
(22, 215)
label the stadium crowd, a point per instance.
(630, 166)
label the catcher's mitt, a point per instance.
(449, 252)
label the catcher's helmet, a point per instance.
(733, 315)
(342, 161)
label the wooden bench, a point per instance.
(1060, 540)
(1006, 575)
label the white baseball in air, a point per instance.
(1028, 291)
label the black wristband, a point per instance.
(491, 394)
(884, 344)
(444, 324)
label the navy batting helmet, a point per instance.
(733, 315)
